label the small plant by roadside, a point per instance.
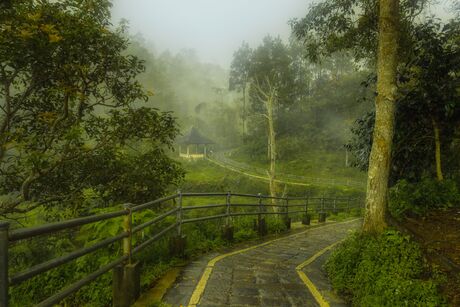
(387, 270)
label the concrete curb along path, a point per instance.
(310, 285)
(267, 274)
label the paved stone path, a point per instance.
(263, 276)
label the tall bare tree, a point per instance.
(267, 94)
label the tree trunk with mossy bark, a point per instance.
(380, 157)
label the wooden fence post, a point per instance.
(287, 219)
(322, 213)
(228, 202)
(306, 204)
(177, 243)
(4, 228)
(306, 218)
(261, 225)
(127, 227)
(179, 214)
(227, 231)
(126, 282)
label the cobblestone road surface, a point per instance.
(263, 276)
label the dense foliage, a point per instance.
(428, 101)
(331, 26)
(387, 270)
(307, 114)
(68, 119)
(422, 197)
(77, 137)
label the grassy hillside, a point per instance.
(307, 163)
(203, 176)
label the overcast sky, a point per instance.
(214, 28)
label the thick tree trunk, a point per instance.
(437, 144)
(380, 158)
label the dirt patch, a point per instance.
(439, 235)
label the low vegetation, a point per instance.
(422, 197)
(202, 176)
(384, 270)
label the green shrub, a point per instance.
(340, 216)
(419, 198)
(244, 235)
(382, 271)
(275, 225)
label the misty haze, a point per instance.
(229, 153)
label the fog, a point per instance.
(214, 28)
(144, 133)
(188, 47)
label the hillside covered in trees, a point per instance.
(360, 100)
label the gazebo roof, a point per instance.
(194, 137)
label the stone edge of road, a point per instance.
(200, 287)
(167, 280)
(307, 281)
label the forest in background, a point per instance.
(90, 116)
(214, 100)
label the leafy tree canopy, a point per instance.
(429, 84)
(335, 25)
(68, 121)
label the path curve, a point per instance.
(282, 272)
(221, 160)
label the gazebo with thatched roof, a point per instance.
(196, 145)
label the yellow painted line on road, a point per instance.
(200, 287)
(314, 291)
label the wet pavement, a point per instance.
(262, 276)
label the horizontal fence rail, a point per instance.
(228, 207)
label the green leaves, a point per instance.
(387, 270)
(68, 90)
(422, 197)
(427, 92)
(331, 26)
